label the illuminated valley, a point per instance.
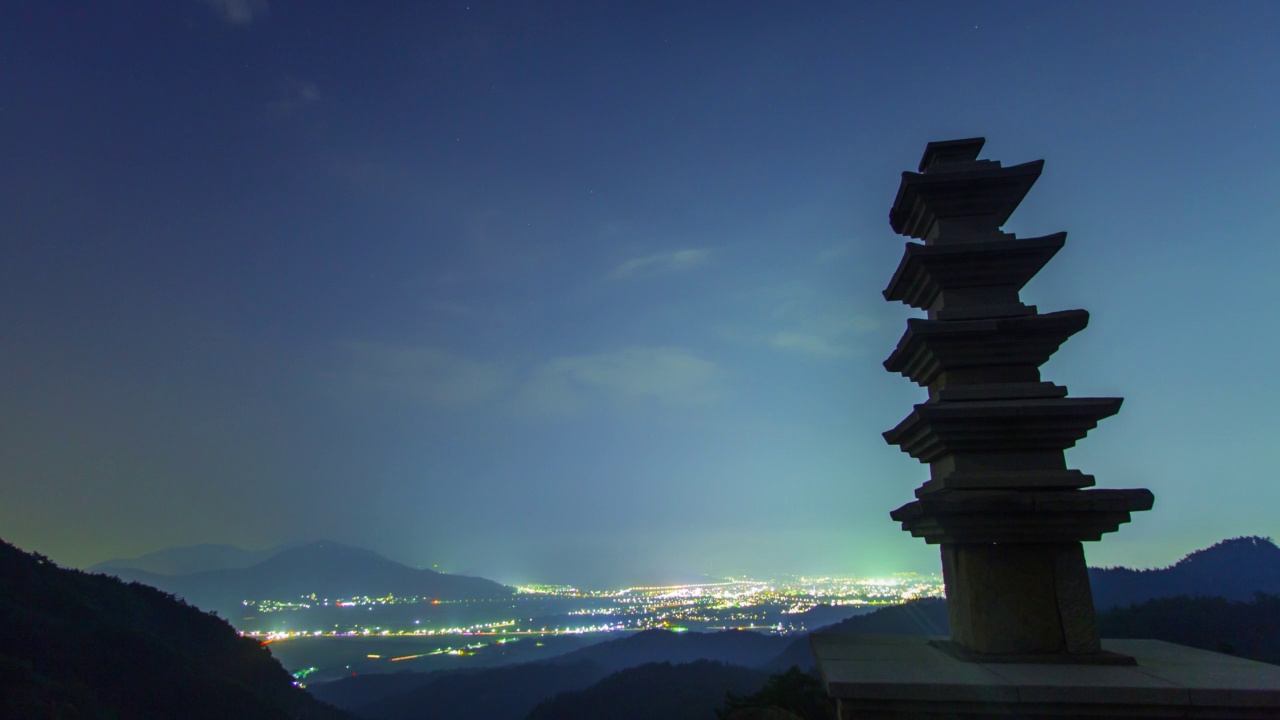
(322, 638)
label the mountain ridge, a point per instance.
(737, 647)
(669, 690)
(325, 568)
(1234, 568)
(190, 559)
(75, 644)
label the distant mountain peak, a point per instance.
(1235, 568)
(191, 559)
(319, 567)
(324, 553)
(1246, 548)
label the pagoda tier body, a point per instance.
(1008, 512)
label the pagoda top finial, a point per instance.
(951, 151)
(957, 198)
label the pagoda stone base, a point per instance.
(1015, 599)
(881, 677)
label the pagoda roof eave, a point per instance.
(936, 429)
(925, 270)
(929, 347)
(923, 197)
(1020, 515)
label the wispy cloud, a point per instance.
(674, 261)
(833, 253)
(295, 95)
(795, 318)
(669, 376)
(421, 375)
(563, 386)
(809, 344)
(828, 330)
(238, 12)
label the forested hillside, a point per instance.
(77, 645)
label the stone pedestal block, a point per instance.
(1007, 599)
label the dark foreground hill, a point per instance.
(1234, 569)
(690, 691)
(512, 691)
(734, 647)
(1248, 629)
(76, 645)
(919, 617)
(325, 568)
(506, 693)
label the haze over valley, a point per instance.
(517, 360)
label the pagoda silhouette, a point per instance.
(1009, 515)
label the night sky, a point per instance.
(590, 292)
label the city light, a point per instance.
(778, 606)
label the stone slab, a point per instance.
(1001, 391)
(1213, 678)
(903, 676)
(1007, 480)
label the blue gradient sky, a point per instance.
(589, 292)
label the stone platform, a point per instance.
(878, 677)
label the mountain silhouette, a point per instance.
(79, 645)
(927, 616)
(735, 647)
(1235, 569)
(689, 691)
(193, 559)
(506, 693)
(1248, 629)
(403, 695)
(323, 568)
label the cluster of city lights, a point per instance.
(538, 613)
(731, 604)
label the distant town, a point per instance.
(773, 606)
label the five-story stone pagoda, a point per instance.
(1008, 513)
